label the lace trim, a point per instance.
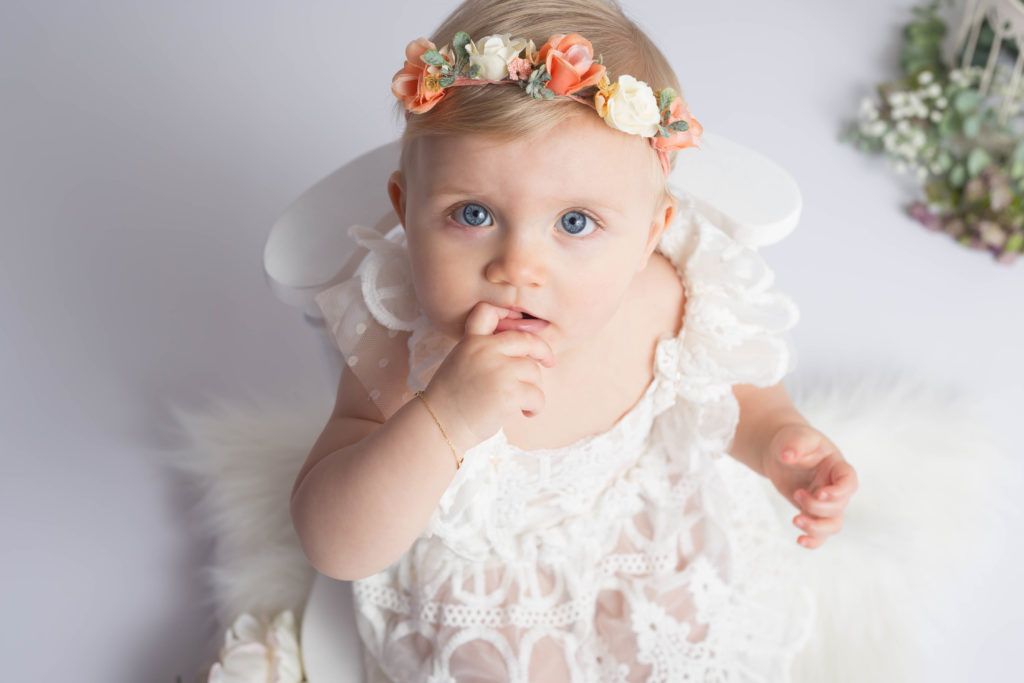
(726, 615)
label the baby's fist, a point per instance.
(808, 469)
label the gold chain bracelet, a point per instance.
(458, 460)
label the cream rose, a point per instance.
(631, 108)
(493, 53)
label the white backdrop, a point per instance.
(145, 151)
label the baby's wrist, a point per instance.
(450, 424)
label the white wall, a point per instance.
(145, 151)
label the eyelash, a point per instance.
(597, 222)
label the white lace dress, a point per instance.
(644, 553)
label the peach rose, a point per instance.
(416, 85)
(680, 111)
(570, 61)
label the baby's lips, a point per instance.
(517, 314)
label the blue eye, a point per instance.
(575, 222)
(473, 214)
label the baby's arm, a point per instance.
(763, 410)
(369, 485)
(775, 440)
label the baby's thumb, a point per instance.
(802, 449)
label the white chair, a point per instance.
(743, 192)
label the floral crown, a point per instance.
(565, 65)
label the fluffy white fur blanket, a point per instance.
(910, 534)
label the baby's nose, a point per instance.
(519, 262)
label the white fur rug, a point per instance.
(910, 535)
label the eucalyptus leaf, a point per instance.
(681, 126)
(948, 126)
(459, 43)
(967, 101)
(446, 81)
(474, 71)
(433, 58)
(958, 176)
(665, 97)
(945, 161)
(972, 125)
(977, 160)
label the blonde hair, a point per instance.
(505, 110)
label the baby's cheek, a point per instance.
(590, 315)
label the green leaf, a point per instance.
(1016, 242)
(548, 94)
(433, 58)
(459, 43)
(972, 125)
(967, 101)
(958, 176)
(945, 161)
(665, 97)
(681, 126)
(446, 81)
(977, 160)
(474, 71)
(948, 126)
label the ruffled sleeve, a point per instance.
(736, 322)
(735, 328)
(371, 314)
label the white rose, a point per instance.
(255, 650)
(633, 108)
(492, 55)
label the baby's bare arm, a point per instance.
(803, 464)
(763, 411)
(368, 486)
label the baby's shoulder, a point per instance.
(660, 297)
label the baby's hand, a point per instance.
(488, 377)
(808, 469)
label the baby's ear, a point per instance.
(663, 217)
(396, 191)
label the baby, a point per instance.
(522, 474)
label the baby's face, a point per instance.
(557, 224)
